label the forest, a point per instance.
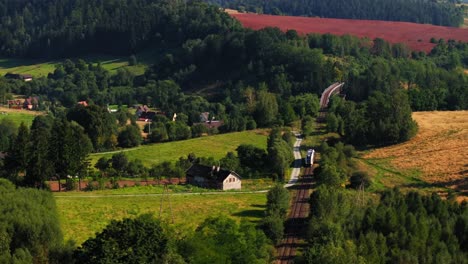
(443, 13)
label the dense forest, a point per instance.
(74, 27)
(444, 13)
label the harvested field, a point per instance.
(416, 36)
(439, 152)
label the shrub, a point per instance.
(360, 178)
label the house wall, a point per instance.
(232, 183)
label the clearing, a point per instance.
(40, 68)
(209, 146)
(416, 36)
(436, 159)
(81, 217)
(19, 115)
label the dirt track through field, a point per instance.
(439, 150)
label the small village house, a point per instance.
(213, 177)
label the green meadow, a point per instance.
(40, 68)
(81, 216)
(210, 146)
(18, 116)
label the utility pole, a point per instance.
(166, 193)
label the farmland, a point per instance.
(39, 68)
(212, 146)
(435, 159)
(416, 36)
(18, 115)
(81, 217)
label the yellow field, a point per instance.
(437, 155)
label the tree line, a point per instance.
(31, 233)
(399, 228)
(442, 13)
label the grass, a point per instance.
(40, 68)
(211, 146)
(434, 160)
(18, 116)
(81, 217)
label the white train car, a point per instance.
(309, 160)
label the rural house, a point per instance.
(31, 103)
(213, 177)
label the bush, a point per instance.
(360, 178)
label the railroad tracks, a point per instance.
(297, 220)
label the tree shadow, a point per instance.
(252, 213)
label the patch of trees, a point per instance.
(336, 164)
(444, 13)
(72, 27)
(147, 240)
(381, 119)
(50, 148)
(399, 228)
(29, 227)
(276, 212)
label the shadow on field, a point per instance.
(253, 213)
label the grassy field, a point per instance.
(38, 68)
(436, 159)
(18, 116)
(211, 146)
(81, 217)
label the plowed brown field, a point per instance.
(439, 150)
(415, 36)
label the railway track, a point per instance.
(297, 219)
(296, 224)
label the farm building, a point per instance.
(31, 103)
(213, 177)
(24, 77)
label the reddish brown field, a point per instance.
(416, 36)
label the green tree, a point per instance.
(29, 226)
(278, 201)
(17, 159)
(138, 240)
(129, 137)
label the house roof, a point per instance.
(210, 172)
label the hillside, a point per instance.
(416, 36)
(437, 156)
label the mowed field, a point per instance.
(19, 116)
(416, 36)
(82, 216)
(435, 159)
(210, 146)
(39, 68)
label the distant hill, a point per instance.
(415, 36)
(69, 28)
(443, 13)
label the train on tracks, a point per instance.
(309, 159)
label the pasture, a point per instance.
(18, 115)
(41, 68)
(209, 146)
(434, 160)
(415, 36)
(81, 216)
